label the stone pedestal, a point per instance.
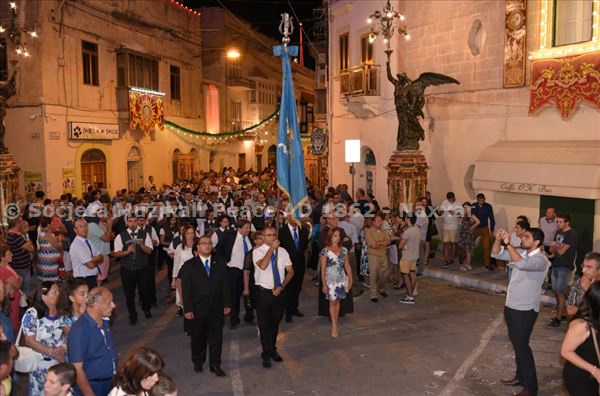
(9, 183)
(407, 177)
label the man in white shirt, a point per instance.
(271, 279)
(133, 247)
(422, 222)
(450, 227)
(85, 257)
(233, 246)
(149, 183)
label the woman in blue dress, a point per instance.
(334, 269)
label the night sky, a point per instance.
(265, 15)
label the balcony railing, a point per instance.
(360, 80)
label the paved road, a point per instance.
(384, 349)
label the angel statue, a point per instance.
(409, 97)
(7, 90)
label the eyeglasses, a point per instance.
(205, 244)
(270, 235)
(82, 226)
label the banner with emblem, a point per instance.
(146, 110)
(565, 81)
(515, 33)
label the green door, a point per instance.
(582, 220)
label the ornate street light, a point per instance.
(389, 20)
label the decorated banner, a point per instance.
(146, 110)
(565, 81)
(68, 180)
(33, 181)
(515, 32)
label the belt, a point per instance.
(101, 379)
(86, 277)
(264, 288)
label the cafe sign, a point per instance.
(525, 188)
(89, 131)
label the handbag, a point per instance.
(593, 331)
(434, 229)
(347, 284)
(27, 361)
(23, 301)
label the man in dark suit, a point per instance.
(233, 246)
(206, 301)
(295, 241)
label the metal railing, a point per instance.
(363, 80)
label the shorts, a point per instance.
(560, 279)
(408, 265)
(450, 235)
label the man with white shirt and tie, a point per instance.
(271, 276)
(133, 247)
(295, 242)
(85, 257)
(233, 246)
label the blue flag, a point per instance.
(291, 178)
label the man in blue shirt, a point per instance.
(90, 345)
(485, 213)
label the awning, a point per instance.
(564, 169)
(306, 98)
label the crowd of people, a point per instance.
(227, 240)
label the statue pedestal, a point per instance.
(9, 184)
(407, 177)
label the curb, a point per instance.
(478, 283)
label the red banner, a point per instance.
(146, 110)
(515, 33)
(565, 81)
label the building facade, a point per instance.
(489, 134)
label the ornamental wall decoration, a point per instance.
(146, 110)
(515, 33)
(565, 81)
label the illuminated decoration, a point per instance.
(184, 7)
(179, 129)
(565, 81)
(146, 110)
(515, 33)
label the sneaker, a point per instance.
(407, 300)
(564, 319)
(367, 286)
(447, 264)
(554, 324)
(415, 291)
(418, 275)
(451, 262)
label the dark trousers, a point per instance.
(130, 280)
(269, 314)
(236, 287)
(292, 291)
(151, 278)
(169, 262)
(520, 325)
(90, 281)
(207, 331)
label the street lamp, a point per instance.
(388, 22)
(352, 156)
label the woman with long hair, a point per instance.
(466, 235)
(139, 373)
(49, 252)
(42, 329)
(335, 269)
(167, 233)
(183, 253)
(581, 374)
(72, 301)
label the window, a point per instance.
(263, 94)
(235, 67)
(136, 70)
(236, 114)
(175, 83)
(212, 109)
(572, 21)
(90, 63)
(366, 50)
(344, 58)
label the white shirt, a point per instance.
(350, 233)
(153, 235)
(215, 238)
(119, 243)
(182, 254)
(357, 221)
(264, 278)
(515, 240)
(80, 254)
(237, 254)
(204, 260)
(423, 223)
(450, 222)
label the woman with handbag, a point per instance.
(42, 327)
(138, 374)
(581, 374)
(335, 268)
(13, 283)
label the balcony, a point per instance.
(360, 80)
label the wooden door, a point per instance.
(134, 170)
(93, 173)
(242, 162)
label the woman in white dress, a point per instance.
(183, 253)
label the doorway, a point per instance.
(242, 162)
(582, 220)
(272, 156)
(135, 176)
(93, 169)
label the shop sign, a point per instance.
(525, 188)
(88, 131)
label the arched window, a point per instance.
(212, 109)
(272, 156)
